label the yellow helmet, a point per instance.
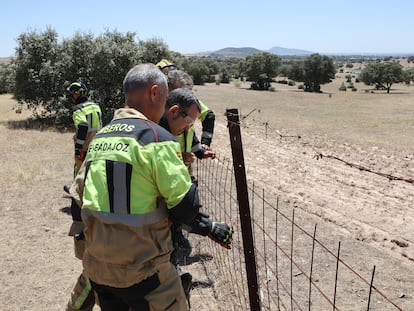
(77, 88)
(166, 66)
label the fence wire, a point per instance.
(297, 269)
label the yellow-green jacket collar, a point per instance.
(128, 113)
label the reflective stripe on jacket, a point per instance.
(90, 113)
(132, 167)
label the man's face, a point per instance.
(180, 119)
(73, 97)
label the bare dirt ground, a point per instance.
(373, 130)
(372, 215)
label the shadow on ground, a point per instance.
(40, 124)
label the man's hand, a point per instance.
(188, 158)
(219, 232)
(222, 234)
(209, 154)
(206, 147)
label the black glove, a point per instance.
(219, 232)
(201, 224)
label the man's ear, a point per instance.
(154, 92)
(173, 111)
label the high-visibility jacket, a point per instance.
(87, 119)
(189, 141)
(134, 176)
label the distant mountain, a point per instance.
(246, 51)
(284, 51)
(234, 52)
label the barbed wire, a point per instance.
(363, 168)
(320, 155)
(266, 124)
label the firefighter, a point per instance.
(189, 142)
(191, 147)
(132, 182)
(87, 118)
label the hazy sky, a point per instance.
(350, 26)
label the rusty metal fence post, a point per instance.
(233, 123)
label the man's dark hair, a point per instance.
(183, 98)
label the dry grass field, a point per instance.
(5, 60)
(372, 215)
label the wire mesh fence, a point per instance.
(297, 267)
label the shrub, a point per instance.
(224, 77)
(6, 78)
(354, 89)
(291, 83)
(301, 86)
(237, 83)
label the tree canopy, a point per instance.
(382, 75)
(314, 71)
(202, 69)
(43, 68)
(261, 68)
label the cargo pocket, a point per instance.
(79, 248)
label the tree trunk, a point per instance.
(388, 87)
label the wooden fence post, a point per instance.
(233, 123)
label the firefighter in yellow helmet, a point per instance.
(190, 144)
(87, 118)
(125, 190)
(166, 66)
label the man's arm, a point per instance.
(200, 151)
(207, 118)
(81, 133)
(186, 211)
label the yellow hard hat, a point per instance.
(77, 88)
(166, 66)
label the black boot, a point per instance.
(182, 247)
(66, 188)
